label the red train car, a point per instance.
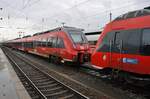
(124, 46)
(60, 45)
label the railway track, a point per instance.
(38, 83)
(134, 92)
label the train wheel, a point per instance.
(117, 75)
(58, 60)
(114, 74)
(52, 59)
(55, 59)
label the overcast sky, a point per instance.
(31, 16)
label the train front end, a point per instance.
(125, 46)
(80, 46)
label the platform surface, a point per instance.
(10, 85)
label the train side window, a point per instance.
(50, 40)
(34, 44)
(60, 43)
(128, 41)
(146, 42)
(29, 44)
(54, 42)
(38, 43)
(146, 37)
(43, 42)
(117, 42)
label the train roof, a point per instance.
(133, 14)
(30, 38)
(65, 28)
(147, 7)
(26, 36)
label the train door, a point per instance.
(125, 48)
(116, 50)
(61, 47)
(54, 46)
(57, 46)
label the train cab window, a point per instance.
(78, 37)
(143, 12)
(146, 42)
(131, 14)
(106, 42)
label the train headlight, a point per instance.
(104, 57)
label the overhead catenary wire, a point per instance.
(29, 4)
(99, 13)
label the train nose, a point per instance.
(82, 47)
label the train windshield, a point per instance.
(78, 37)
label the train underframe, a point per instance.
(80, 58)
(132, 78)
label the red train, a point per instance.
(124, 46)
(59, 45)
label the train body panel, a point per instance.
(126, 62)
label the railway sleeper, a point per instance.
(42, 80)
(58, 94)
(52, 89)
(39, 78)
(28, 72)
(36, 75)
(67, 96)
(35, 97)
(44, 83)
(47, 86)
